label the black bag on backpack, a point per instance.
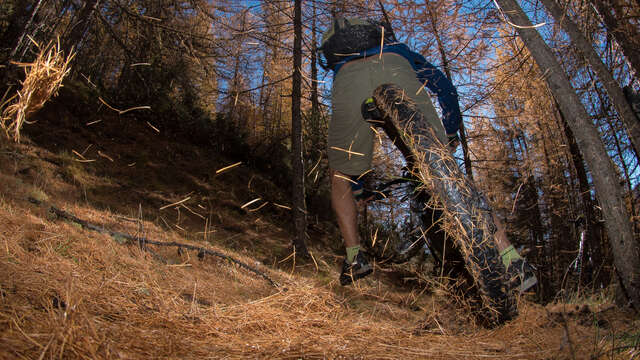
(348, 37)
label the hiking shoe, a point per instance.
(521, 275)
(356, 270)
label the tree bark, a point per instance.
(447, 70)
(607, 183)
(315, 103)
(610, 84)
(26, 30)
(591, 222)
(299, 207)
(316, 118)
(79, 29)
(623, 33)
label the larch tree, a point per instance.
(607, 184)
(81, 25)
(274, 96)
(438, 22)
(524, 171)
(610, 84)
(298, 199)
(618, 26)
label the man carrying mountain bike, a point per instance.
(363, 55)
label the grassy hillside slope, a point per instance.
(67, 291)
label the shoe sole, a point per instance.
(528, 283)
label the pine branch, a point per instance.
(142, 241)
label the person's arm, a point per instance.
(440, 85)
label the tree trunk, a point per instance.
(299, 208)
(80, 27)
(626, 36)
(610, 84)
(315, 126)
(316, 118)
(590, 220)
(338, 8)
(607, 183)
(447, 71)
(315, 103)
(26, 30)
(530, 209)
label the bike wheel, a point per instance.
(465, 215)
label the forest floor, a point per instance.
(67, 291)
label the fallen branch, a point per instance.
(142, 241)
(120, 112)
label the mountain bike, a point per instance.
(453, 217)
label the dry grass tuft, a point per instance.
(43, 79)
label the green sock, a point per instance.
(508, 255)
(352, 252)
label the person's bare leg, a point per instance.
(507, 252)
(525, 273)
(355, 265)
(345, 208)
(502, 243)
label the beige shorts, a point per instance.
(350, 136)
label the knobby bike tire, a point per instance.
(466, 216)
